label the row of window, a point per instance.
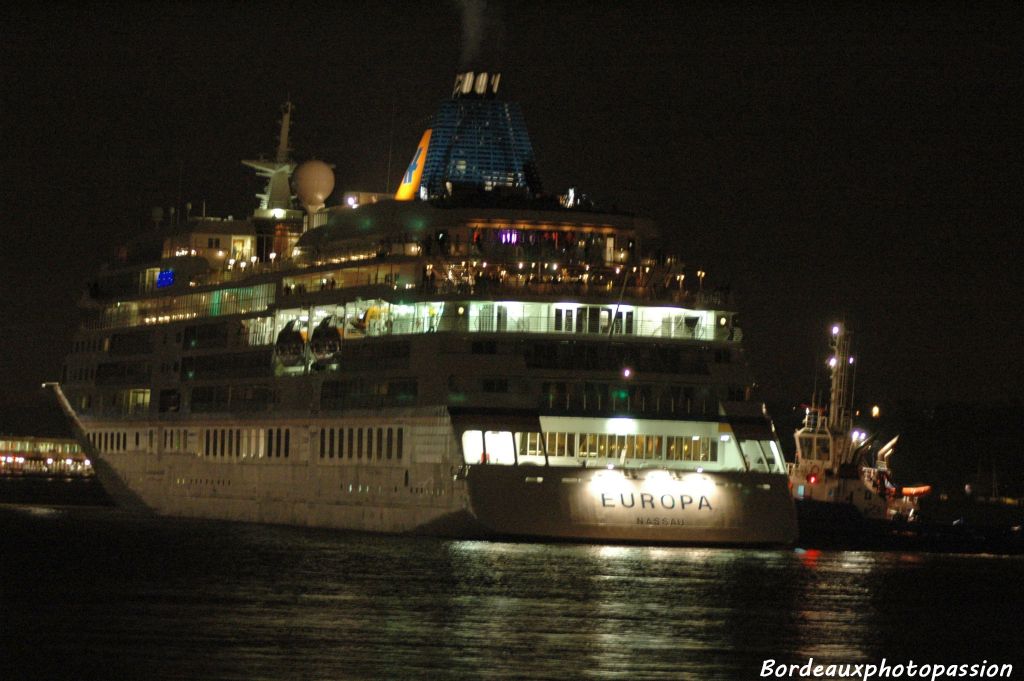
(245, 442)
(113, 441)
(354, 442)
(671, 448)
(654, 398)
(592, 320)
(362, 393)
(176, 439)
(384, 443)
(80, 373)
(276, 442)
(90, 345)
(605, 445)
(165, 309)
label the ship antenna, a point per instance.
(286, 123)
(814, 394)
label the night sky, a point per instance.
(862, 163)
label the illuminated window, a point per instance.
(588, 444)
(530, 444)
(473, 446)
(499, 446)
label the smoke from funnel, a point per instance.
(482, 34)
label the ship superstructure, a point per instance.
(471, 358)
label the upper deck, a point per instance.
(547, 270)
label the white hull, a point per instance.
(431, 491)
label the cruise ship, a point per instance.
(468, 357)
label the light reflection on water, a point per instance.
(134, 597)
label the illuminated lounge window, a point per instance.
(499, 446)
(561, 444)
(473, 446)
(530, 444)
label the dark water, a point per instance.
(95, 593)
(62, 491)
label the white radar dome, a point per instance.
(314, 182)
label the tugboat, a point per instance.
(843, 488)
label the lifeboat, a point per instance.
(326, 340)
(361, 322)
(290, 348)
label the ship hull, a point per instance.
(483, 501)
(649, 506)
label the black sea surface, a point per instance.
(98, 593)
